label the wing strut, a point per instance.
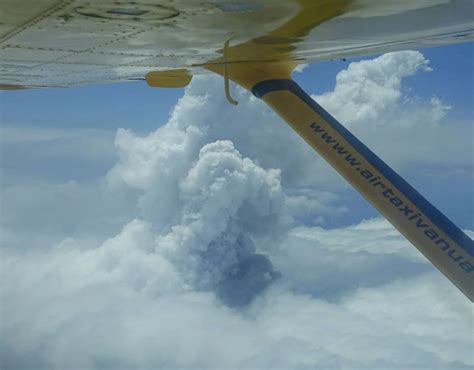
(435, 236)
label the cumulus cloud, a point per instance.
(207, 245)
(405, 130)
(370, 89)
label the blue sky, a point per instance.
(148, 228)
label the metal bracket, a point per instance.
(226, 74)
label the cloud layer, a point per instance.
(124, 305)
(207, 245)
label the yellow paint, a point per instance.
(274, 50)
(12, 87)
(170, 78)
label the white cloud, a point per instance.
(125, 305)
(50, 143)
(300, 67)
(37, 215)
(227, 202)
(405, 130)
(370, 89)
(199, 248)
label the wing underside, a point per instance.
(50, 43)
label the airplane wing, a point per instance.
(255, 43)
(47, 43)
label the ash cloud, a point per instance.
(227, 201)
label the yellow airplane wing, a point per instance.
(45, 43)
(256, 43)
